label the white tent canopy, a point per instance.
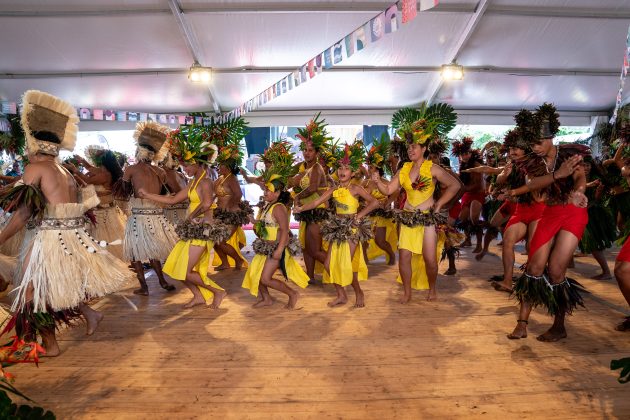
(134, 55)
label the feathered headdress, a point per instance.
(150, 138)
(279, 165)
(514, 138)
(189, 144)
(169, 161)
(49, 123)
(94, 153)
(438, 146)
(314, 134)
(353, 155)
(421, 125)
(378, 153)
(492, 148)
(463, 146)
(548, 121)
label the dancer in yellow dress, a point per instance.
(418, 238)
(346, 231)
(385, 241)
(308, 184)
(274, 248)
(189, 259)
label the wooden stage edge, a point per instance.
(445, 359)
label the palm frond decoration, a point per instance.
(405, 115)
(444, 114)
(421, 124)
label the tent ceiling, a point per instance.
(132, 55)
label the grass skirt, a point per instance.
(64, 266)
(147, 236)
(176, 213)
(556, 298)
(110, 227)
(600, 232)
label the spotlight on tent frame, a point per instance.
(452, 71)
(200, 74)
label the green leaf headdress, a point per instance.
(227, 137)
(279, 166)
(13, 141)
(94, 154)
(314, 133)
(378, 153)
(353, 155)
(190, 144)
(421, 125)
(330, 152)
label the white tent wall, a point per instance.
(131, 55)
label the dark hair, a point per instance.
(234, 169)
(381, 171)
(445, 161)
(111, 164)
(284, 197)
(46, 136)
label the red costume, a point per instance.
(526, 213)
(624, 254)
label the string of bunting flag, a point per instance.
(372, 31)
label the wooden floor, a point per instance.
(449, 359)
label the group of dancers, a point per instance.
(80, 229)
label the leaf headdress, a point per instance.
(314, 133)
(190, 144)
(378, 154)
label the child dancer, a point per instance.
(274, 248)
(346, 230)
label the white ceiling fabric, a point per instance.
(131, 55)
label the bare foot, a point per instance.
(404, 299)
(553, 334)
(520, 331)
(477, 249)
(166, 286)
(194, 302)
(451, 271)
(51, 351)
(432, 296)
(141, 291)
(360, 300)
(93, 321)
(500, 287)
(603, 276)
(238, 265)
(480, 256)
(221, 267)
(338, 302)
(263, 302)
(217, 299)
(293, 298)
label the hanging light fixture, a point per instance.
(452, 71)
(199, 74)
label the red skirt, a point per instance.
(508, 208)
(624, 254)
(526, 213)
(556, 218)
(469, 197)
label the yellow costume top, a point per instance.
(176, 265)
(345, 203)
(288, 265)
(221, 191)
(304, 183)
(425, 185)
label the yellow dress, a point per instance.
(411, 238)
(342, 264)
(391, 233)
(236, 241)
(176, 265)
(293, 270)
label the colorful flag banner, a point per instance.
(409, 10)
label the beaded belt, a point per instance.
(147, 212)
(178, 206)
(62, 223)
